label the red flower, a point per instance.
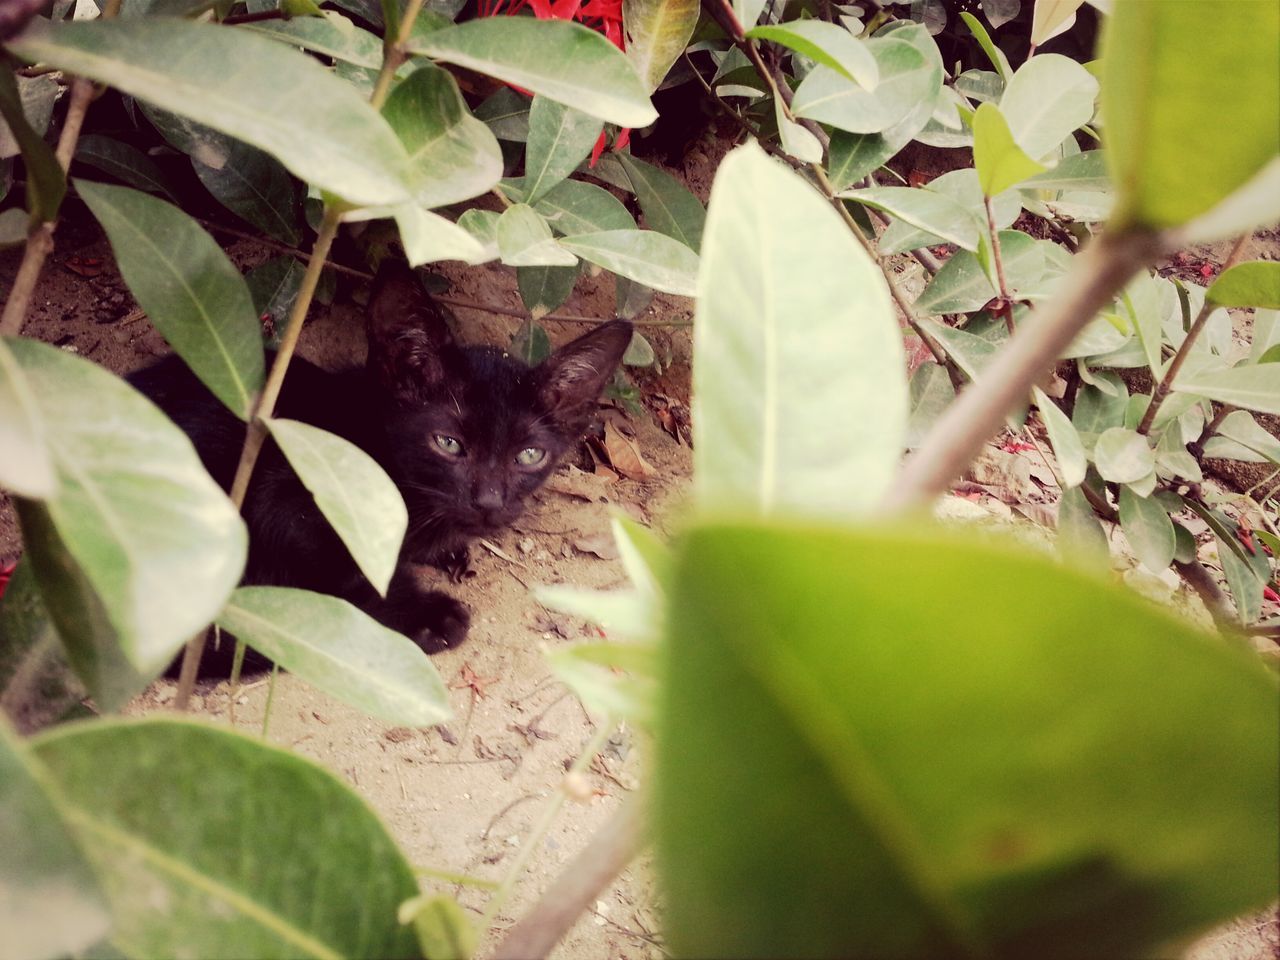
(6, 571)
(603, 16)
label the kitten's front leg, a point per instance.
(433, 620)
(456, 563)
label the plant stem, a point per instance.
(1103, 268)
(394, 53)
(999, 261)
(256, 433)
(1184, 350)
(611, 848)
(534, 840)
(40, 239)
(553, 317)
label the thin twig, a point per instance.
(999, 261)
(40, 239)
(280, 247)
(1184, 349)
(611, 848)
(1103, 268)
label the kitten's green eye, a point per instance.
(531, 456)
(450, 445)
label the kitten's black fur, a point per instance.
(418, 386)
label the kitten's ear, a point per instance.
(573, 376)
(408, 331)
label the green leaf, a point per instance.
(1064, 440)
(1257, 203)
(907, 78)
(1240, 427)
(625, 614)
(639, 352)
(668, 205)
(1000, 161)
(253, 185)
(454, 156)
(506, 113)
(929, 211)
(1080, 535)
(962, 285)
(1048, 98)
(341, 650)
(37, 684)
(1252, 387)
(37, 96)
(645, 256)
(158, 541)
(329, 33)
(1266, 334)
(194, 819)
(1252, 284)
(657, 33)
(26, 464)
(793, 324)
(851, 156)
(559, 139)
(359, 500)
(442, 928)
(1246, 588)
(830, 45)
(247, 86)
(274, 286)
(15, 224)
(971, 353)
(1191, 113)
(931, 393)
(555, 58)
(427, 236)
(1148, 529)
(482, 225)
(796, 141)
(542, 289)
(1142, 303)
(46, 182)
(856, 773)
(52, 906)
(122, 161)
(994, 53)
(190, 289)
(961, 186)
(1052, 17)
(575, 207)
(594, 672)
(531, 344)
(525, 240)
(1123, 455)
(1080, 171)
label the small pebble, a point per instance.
(526, 545)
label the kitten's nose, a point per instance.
(489, 503)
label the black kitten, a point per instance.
(466, 433)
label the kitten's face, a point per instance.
(471, 431)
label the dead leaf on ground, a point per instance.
(84, 266)
(1041, 513)
(600, 544)
(1007, 475)
(624, 454)
(579, 484)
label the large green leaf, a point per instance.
(37, 685)
(248, 86)
(1241, 438)
(794, 327)
(190, 289)
(524, 239)
(668, 205)
(1148, 529)
(1123, 455)
(962, 285)
(575, 206)
(644, 256)
(933, 212)
(122, 161)
(828, 44)
(555, 58)
(1052, 17)
(254, 185)
(560, 138)
(1048, 98)
(355, 495)
(158, 541)
(454, 155)
(26, 467)
(842, 771)
(971, 353)
(341, 650)
(428, 237)
(1189, 101)
(1000, 161)
(212, 843)
(1253, 387)
(1080, 171)
(50, 904)
(907, 77)
(330, 34)
(1064, 439)
(1252, 284)
(542, 289)
(46, 181)
(657, 33)
(851, 156)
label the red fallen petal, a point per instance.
(1206, 271)
(1271, 594)
(6, 571)
(597, 150)
(1246, 537)
(624, 139)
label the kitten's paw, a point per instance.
(456, 563)
(442, 623)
